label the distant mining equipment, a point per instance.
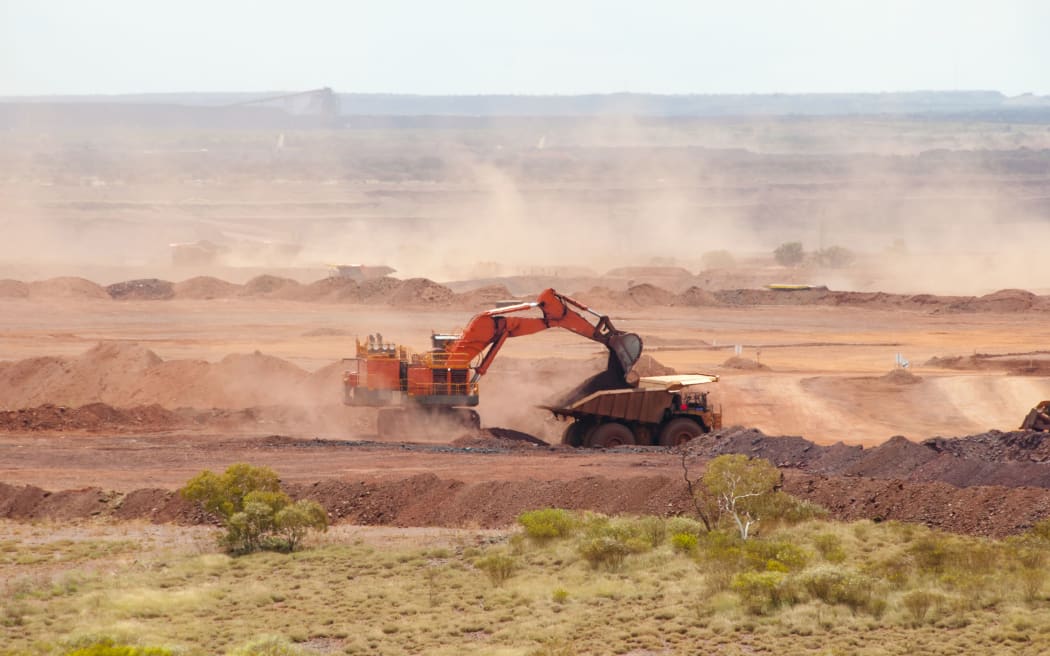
(322, 103)
(359, 272)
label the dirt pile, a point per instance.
(147, 289)
(205, 288)
(416, 292)
(745, 364)
(267, 285)
(91, 417)
(900, 377)
(611, 378)
(13, 289)
(611, 292)
(428, 500)
(66, 287)
(1016, 459)
(1031, 363)
(696, 297)
(126, 374)
(647, 365)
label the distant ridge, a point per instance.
(635, 104)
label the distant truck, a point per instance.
(660, 411)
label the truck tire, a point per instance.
(574, 434)
(680, 430)
(610, 435)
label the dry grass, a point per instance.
(408, 591)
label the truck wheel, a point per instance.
(610, 435)
(680, 430)
(574, 433)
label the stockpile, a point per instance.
(1013, 459)
(124, 374)
(421, 292)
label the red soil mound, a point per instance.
(737, 362)
(91, 417)
(126, 374)
(66, 287)
(267, 285)
(13, 289)
(427, 500)
(205, 288)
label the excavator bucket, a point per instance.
(627, 347)
(1038, 418)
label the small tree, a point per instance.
(835, 257)
(789, 254)
(742, 486)
(256, 513)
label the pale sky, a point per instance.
(523, 47)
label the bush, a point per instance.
(789, 253)
(830, 548)
(773, 555)
(257, 514)
(919, 603)
(606, 552)
(499, 566)
(762, 592)
(548, 523)
(684, 542)
(106, 647)
(835, 257)
(679, 524)
(834, 585)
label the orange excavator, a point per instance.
(443, 383)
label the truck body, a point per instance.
(660, 411)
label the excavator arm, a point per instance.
(487, 332)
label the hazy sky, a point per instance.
(527, 47)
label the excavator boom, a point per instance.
(490, 329)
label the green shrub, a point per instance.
(225, 494)
(294, 521)
(106, 647)
(762, 592)
(830, 548)
(758, 554)
(560, 595)
(679, 524)
(498, 565)
(606, 552)
(257, 514)
(548, 523)
(650, 528)
(789, 253)
(835, 585)
(684, 542)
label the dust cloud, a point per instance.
(922, 205)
